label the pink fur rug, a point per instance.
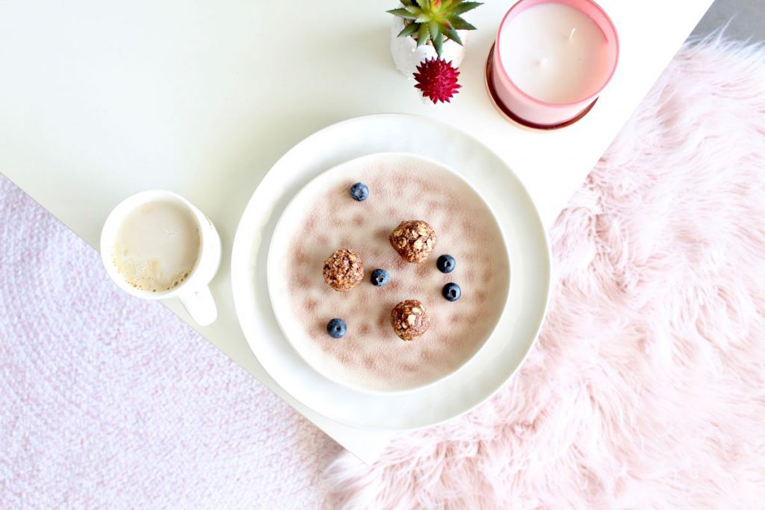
(646, 388)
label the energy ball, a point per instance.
(343, 270)
(409, 319)
(413, 240)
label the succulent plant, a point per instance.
(434, 20)
(437, 80)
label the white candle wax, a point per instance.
(555, 53)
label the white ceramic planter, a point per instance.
(407, 55)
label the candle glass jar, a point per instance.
(542, 113)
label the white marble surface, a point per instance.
(101, 100)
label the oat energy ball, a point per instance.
(413, 240)
(343, 270)
(409, 319)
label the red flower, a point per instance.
(437, 80)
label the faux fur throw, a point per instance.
(646, 388)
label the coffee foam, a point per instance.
(157, 246)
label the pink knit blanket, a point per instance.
(107, 401)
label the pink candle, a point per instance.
(551, 60)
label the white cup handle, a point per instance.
(200, 305)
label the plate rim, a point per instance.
(242, 252)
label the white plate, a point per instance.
(502, 354)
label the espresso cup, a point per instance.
(155, 220)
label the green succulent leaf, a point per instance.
(434, 30)
(432, 19)
(423, 34)
(460, 24)
(438, 44)
(453, 35)
(402, 13)
(464, 7)
(408, 30)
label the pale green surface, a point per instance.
(100, 100)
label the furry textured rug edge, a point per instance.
(646, 388)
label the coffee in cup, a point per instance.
(156, 246)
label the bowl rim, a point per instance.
(271, 263)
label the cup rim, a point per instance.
(108, 233)
(545, 103)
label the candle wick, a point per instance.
(571, 34)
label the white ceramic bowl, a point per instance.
(370, 357)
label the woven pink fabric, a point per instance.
(646, 388)
(107, 401)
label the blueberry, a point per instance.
(380, 277)
(336, 328)
(446, 263)
(451, 291)
(359, 192)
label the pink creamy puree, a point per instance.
(371, 356)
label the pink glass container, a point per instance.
(530, 111)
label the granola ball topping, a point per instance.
(409, 319)
(413, 240)
(343, 270)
